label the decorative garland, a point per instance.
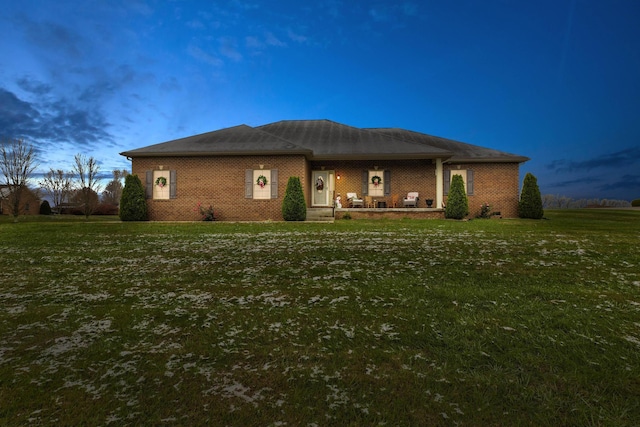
(161, 181)
(376, 180)
(262, 181)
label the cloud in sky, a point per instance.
(618, 159)
(101, 78)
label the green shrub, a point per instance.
(133, 205)
(635, 202)
(530, 205)
(457, 202)
(294, 207)
(45, 208)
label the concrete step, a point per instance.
(320, 214)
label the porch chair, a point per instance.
(353, 200)
(368, 202)
(410, 200)
(395, 200)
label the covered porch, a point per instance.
(389, 213)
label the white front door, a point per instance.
(322, 188)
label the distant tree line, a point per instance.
(76, 191)
(553, 201)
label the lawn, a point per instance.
(395, 323)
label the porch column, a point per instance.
(439, 183)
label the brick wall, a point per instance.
(494, 183)
(219, 181)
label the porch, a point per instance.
(389, 213)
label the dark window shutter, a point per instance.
(248, 184)
(365, 183)
(446, 181)
(173, 184)
(149, 184)
(387, 182)
(470, 182)
(274, 183)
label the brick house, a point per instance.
(243, 171)
(29, 201)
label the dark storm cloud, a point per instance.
(55, 120)
(617, 159)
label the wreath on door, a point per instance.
(319, 184)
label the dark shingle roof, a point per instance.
(235, 140)
(323, 140)
(463, 152)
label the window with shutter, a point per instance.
(467, 177)
(161, 182)
(375, 183)
(261, 184)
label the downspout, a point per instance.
(439, 183)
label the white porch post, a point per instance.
(439, 183)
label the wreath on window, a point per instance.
(262, 181)
(161, 181)
(376, 180)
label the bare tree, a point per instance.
(113, 191)
(58, 184)
(17, 163)
(86, 173)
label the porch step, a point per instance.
(320, 214)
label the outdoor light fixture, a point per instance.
(338, 176)
(261, 166)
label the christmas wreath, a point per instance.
(376, 180)
(161, 181)
(262, 181)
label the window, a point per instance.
(161, 184)
(376, 187)
(383, 179)
(261, 184)
(467, 177)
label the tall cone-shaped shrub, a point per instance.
(457, 202)
(294, 207)
(530, 205)
(133, 206)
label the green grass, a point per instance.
(478, 323)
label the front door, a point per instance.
(322, 188)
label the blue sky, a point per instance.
(557, 81)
